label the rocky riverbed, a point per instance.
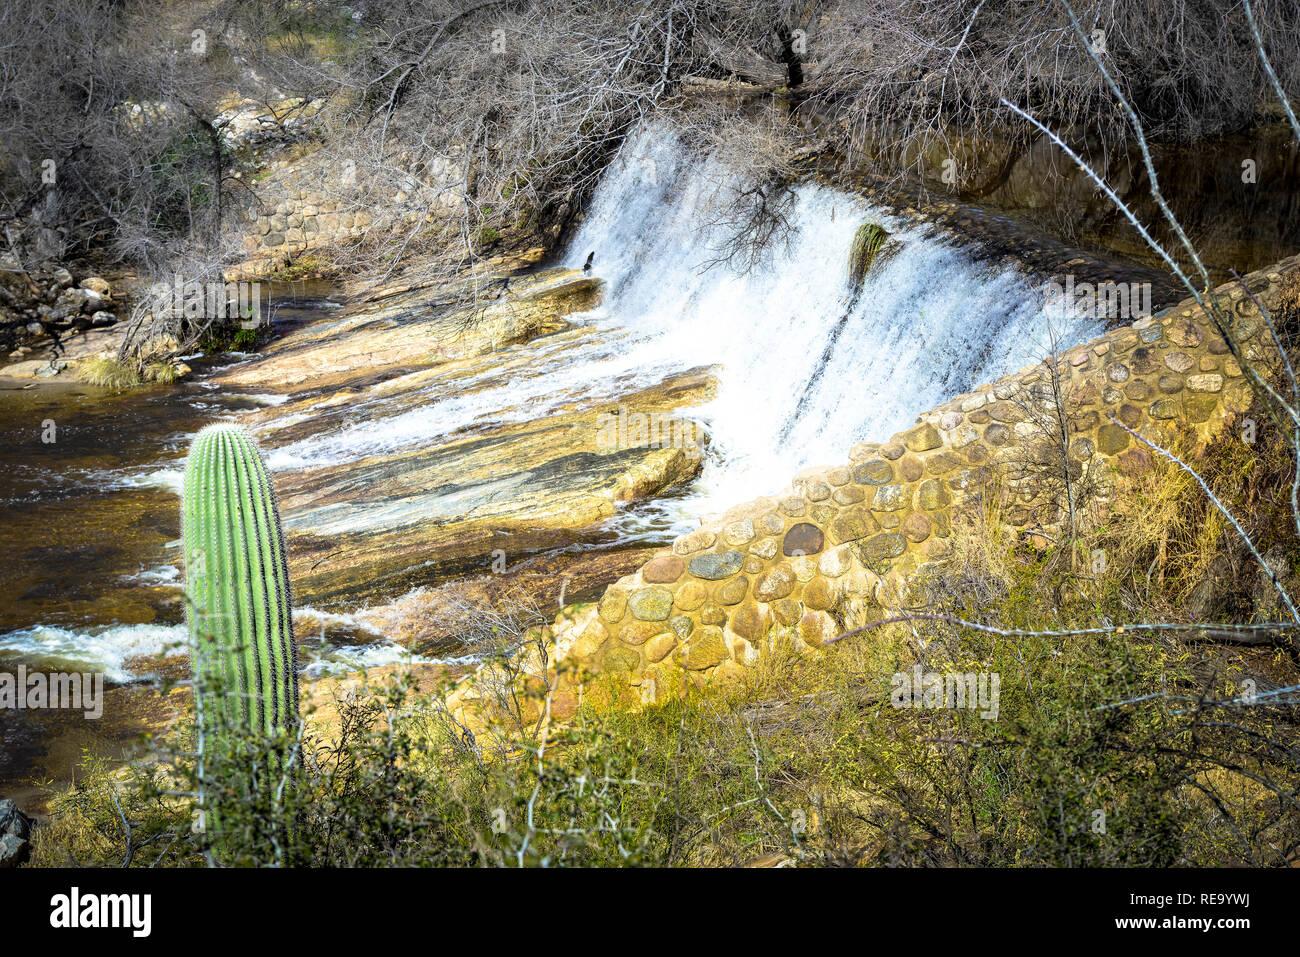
(396, 525)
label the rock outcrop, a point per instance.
(15, 834)
(364, 526)
(50, 313)
(408, 330)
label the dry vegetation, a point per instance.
(809, 763)
(511, 108)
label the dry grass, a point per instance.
(806, 760)
(161, 371)
(112, 374)
(109, 373)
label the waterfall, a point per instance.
(805, 368)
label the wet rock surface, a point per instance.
(363, 527)
(411, 329)
(993, 236)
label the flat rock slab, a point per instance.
(367, 520)
(416, 327)
(374, 527)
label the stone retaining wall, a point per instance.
(316, 202)
(856, 534)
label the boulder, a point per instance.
(13, 851)
(15, 835)
(14, 821)
(93, 301)
(74, 298)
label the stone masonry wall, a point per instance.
(702, 609)
(316, 202)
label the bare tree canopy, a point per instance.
(504, 112)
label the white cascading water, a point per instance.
(802, 375)
(800, 381)
(116, 651)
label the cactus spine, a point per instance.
(237, 592)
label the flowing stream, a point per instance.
(804, 369)
(90, 522)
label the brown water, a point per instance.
(89, 529)
(90, 519)
(88, 525)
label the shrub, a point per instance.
(110, 373)
(1125, 748)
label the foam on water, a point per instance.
(103, 650)
(261, 398)
(114, 650)
(589, 369)
(341, 659)
(806, 369)
(158, 575)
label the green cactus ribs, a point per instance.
(237, 589)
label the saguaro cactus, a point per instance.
(237, 591)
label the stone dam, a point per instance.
(845, 543)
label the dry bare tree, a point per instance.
(905, 77)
